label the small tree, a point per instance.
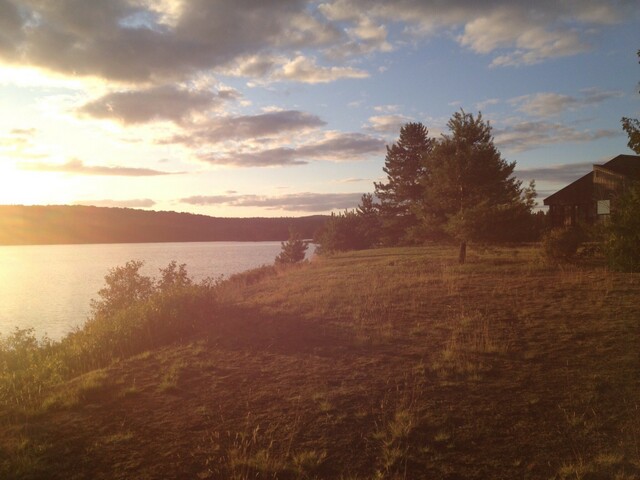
(623, 234)
(293, 250)
(124, 287)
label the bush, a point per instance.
(293, 250)
(623, 233)
(342, 232)
(27, 366)
(561, 243)
(124, 286)
(134, 313)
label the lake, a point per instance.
(49, 287)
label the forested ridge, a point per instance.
(61, 224)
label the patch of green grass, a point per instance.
(86, 388)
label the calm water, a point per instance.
(48, 287)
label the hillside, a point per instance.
(60, 224)
(394, 363)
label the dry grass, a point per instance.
(392, 363)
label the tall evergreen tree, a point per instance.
(470, 192)
(405, 169)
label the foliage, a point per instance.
(470, 189)
(623, 233)
(632, 127)
(134, 313)
(173, 277)
(370, 223)
(124, 287)
(561, 243)
(346, 231)
(27, 367)
(293, 250)
(405, 168)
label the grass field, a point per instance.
(389, 363)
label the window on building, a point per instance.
(604, 207)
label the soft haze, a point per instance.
(272, 108)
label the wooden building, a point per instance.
(591, 198)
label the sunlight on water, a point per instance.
(49, 287)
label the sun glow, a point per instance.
(19, 187)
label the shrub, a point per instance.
(623, 233)
(124, 286)
(342, 232)
(134, 313)
(561, 243)
(293, 250)
(27, 366)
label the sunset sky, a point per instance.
(283, 108)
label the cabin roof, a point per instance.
(581, 191)
(627, 165)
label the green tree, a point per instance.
(470, 192)
(623, 233)
(343, 232)
(124, 286)
(632, 127)
(293, 250)
(174, 276)
(369, 226)
(405, 169)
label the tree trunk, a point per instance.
(463, 252)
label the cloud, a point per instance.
(165, 102)
(387, 123)
(18, 138)
(487, 103)
(303, 69)
(516, 32)
(248, 127)
(77, 167)
(352, 180)
(133, 203)
(142, 41)
(335, 147)
(550, 104)
(532, 41)
(564, 173)
(386, 108)
(524, 136)
(18, 143)
(365, 37)
(298, 202)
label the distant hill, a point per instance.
(66, 224)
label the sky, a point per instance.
(252, 108)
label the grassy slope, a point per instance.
(378, 364)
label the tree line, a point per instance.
(73, 224)
(455, 188)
